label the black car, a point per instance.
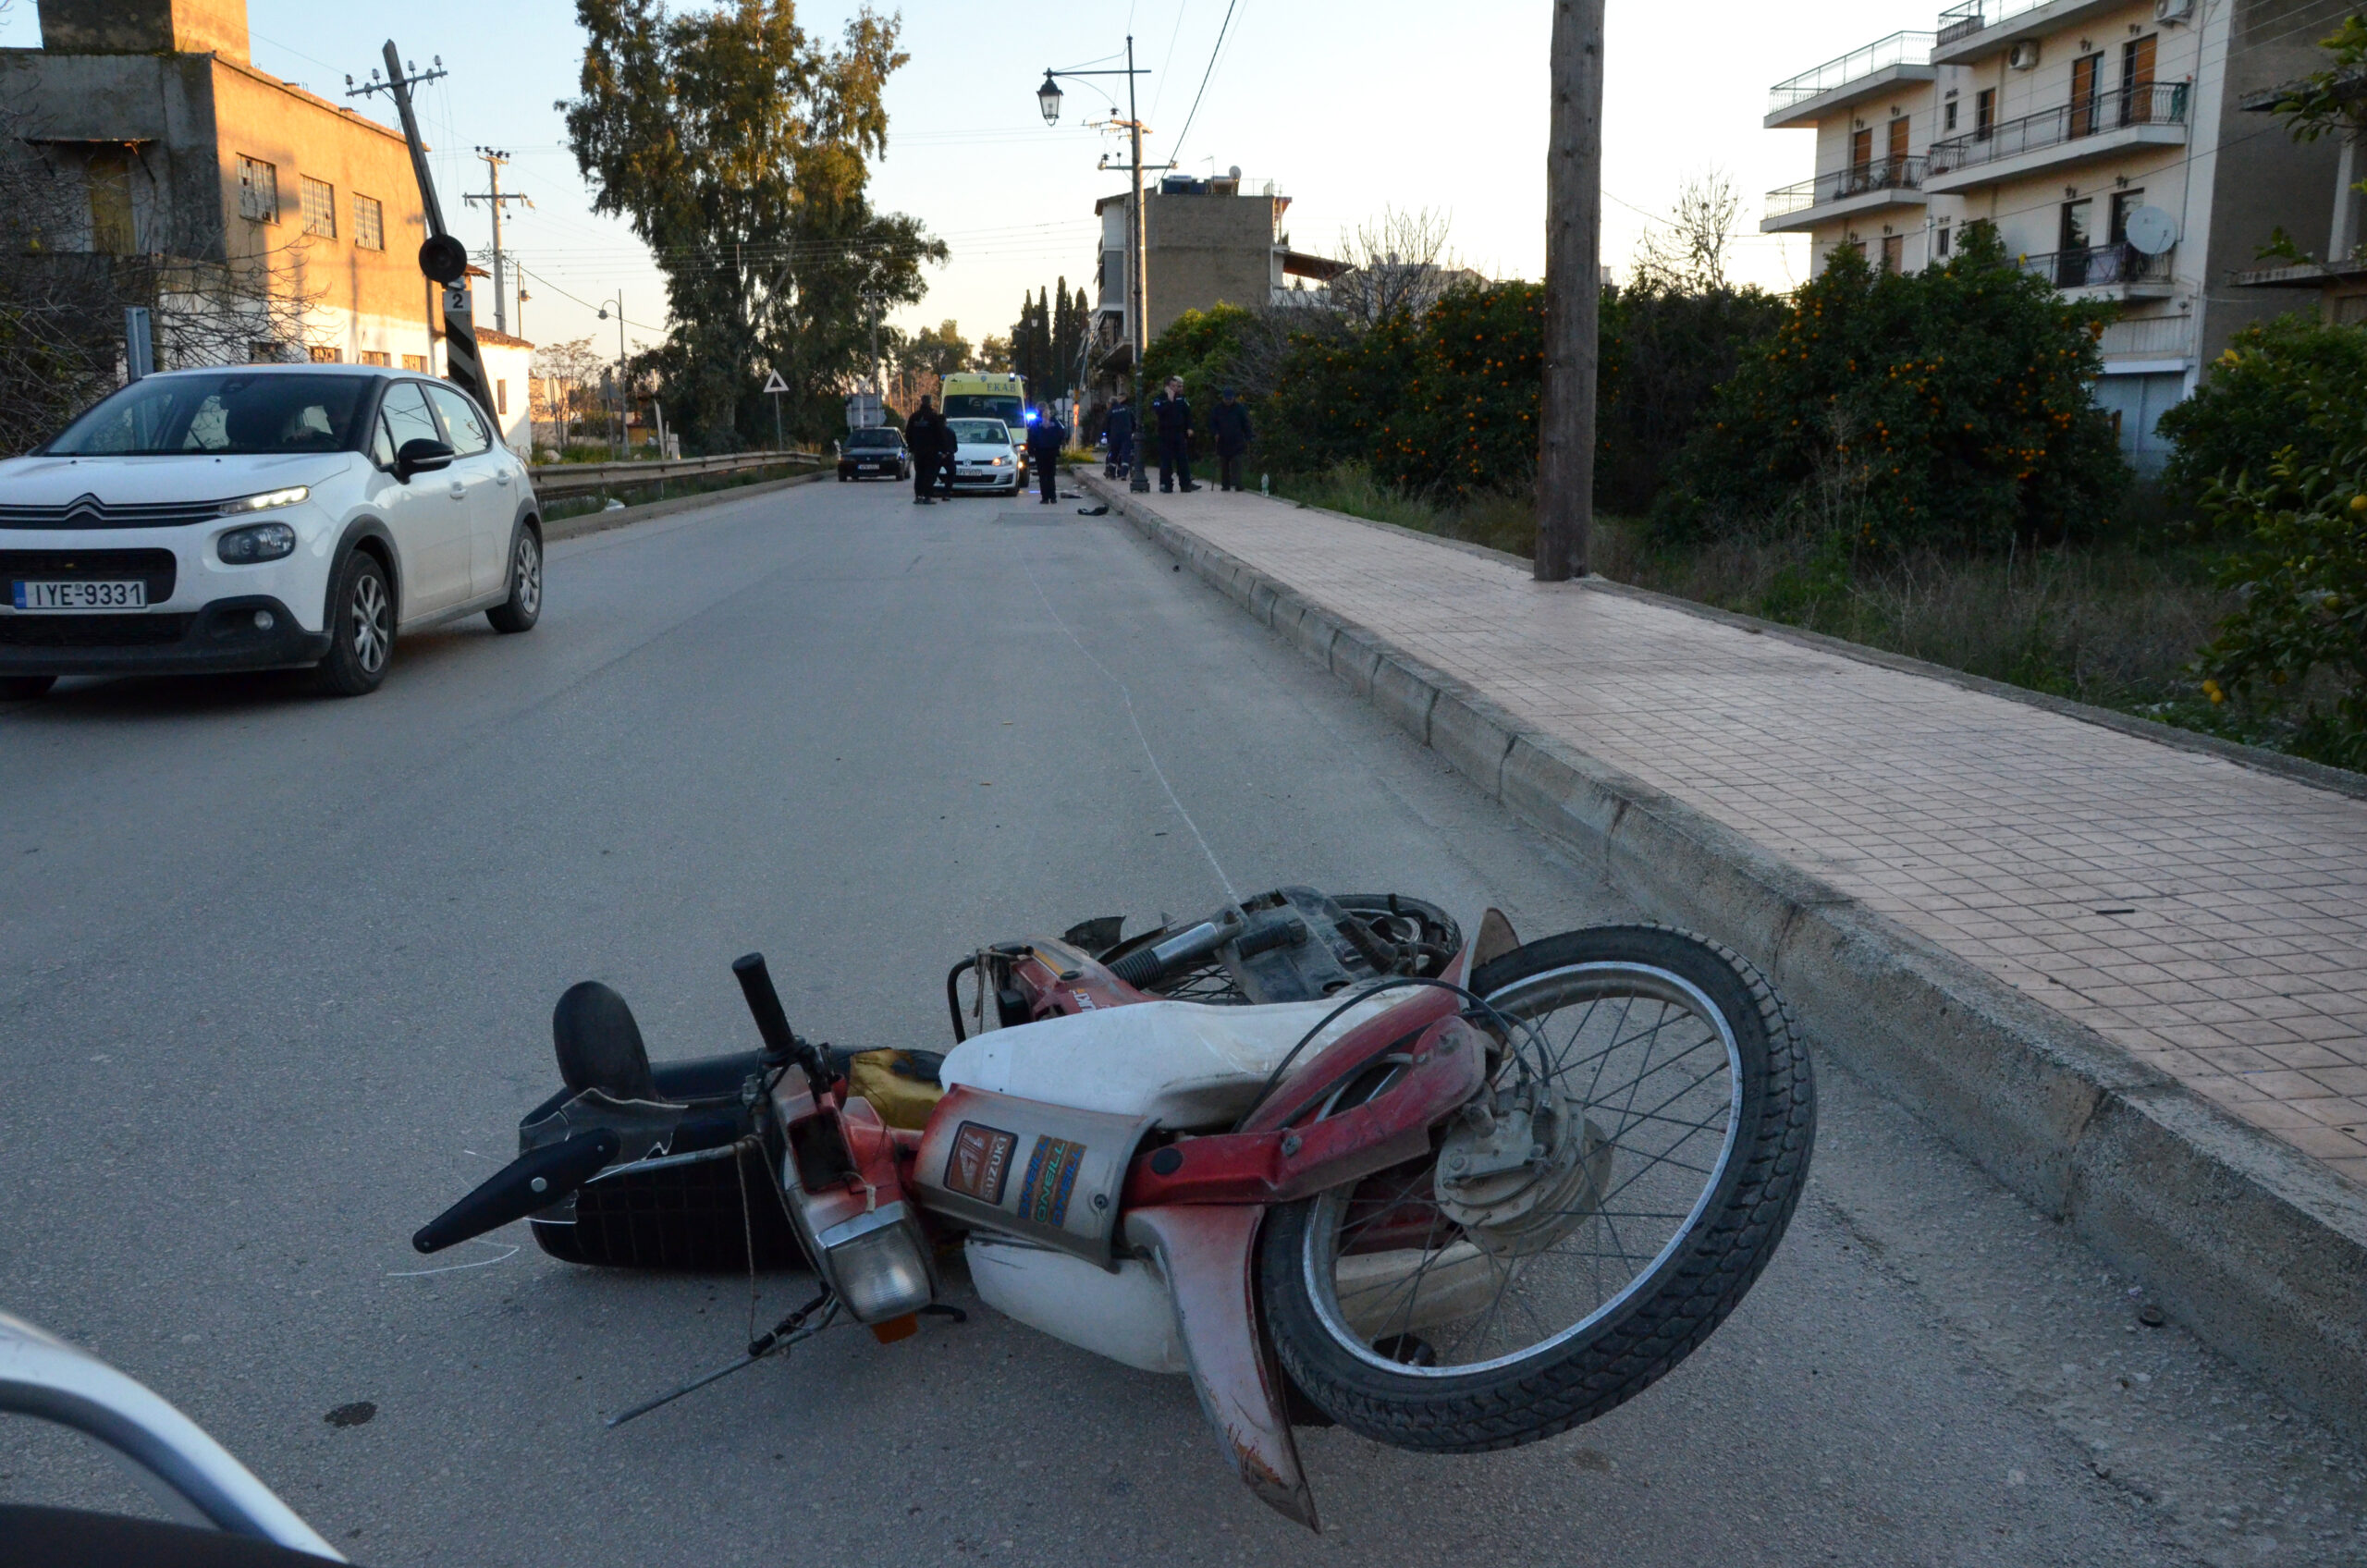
(874, 453)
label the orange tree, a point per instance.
(1948, 408)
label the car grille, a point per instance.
(88, 511)
(91, 630)
(156, 568)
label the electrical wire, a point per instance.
(1175, 153)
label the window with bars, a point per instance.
(415, 362)
(319, 198)
(369, 224)
(325, 356)
(374, 357)
(258, 191)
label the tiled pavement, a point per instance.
(2210, 918)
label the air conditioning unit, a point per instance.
(2023, 56)
(2172, 13)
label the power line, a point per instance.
(1175, 152)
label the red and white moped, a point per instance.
(1313, 1152)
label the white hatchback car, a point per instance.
(984, 456)
(262, 517)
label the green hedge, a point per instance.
(1949, 408)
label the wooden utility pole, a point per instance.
(1573, 293)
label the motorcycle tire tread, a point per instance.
(1527, 1402)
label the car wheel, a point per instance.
(362, 627)
(524, 606)
(24, 688)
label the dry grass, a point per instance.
(2115, 625)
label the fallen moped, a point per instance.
(1313, 1151)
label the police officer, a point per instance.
(1045, 436)
(1230, 423)
(927, 433)
(1117, 428)
(1171, 417)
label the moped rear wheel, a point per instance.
(1584, 1223)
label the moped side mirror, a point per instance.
(421, 455)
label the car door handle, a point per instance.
(502, 477)
(460, 491)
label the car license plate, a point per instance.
(53, 597)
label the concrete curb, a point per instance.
(600, 522)
(2257, 1248)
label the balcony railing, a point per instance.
(1859, 179)
(2163, 103)
(1898, 49)
(2090, 265)
(1963, 21)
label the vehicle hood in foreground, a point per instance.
(54, 481)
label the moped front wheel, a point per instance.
(1580, 1225)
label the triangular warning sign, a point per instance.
(773, 382)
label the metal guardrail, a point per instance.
(1964, 20)
(2090, 264)
(1859, 179)
(553, 480)
(2162, 104)
(1898, 49)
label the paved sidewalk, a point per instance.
(2210, 918)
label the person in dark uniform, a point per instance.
(1119, 428)
(1229, 421)
(1045, 436)
(1171, 415)
(926, 433)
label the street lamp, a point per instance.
(1047, 98)
(623, 407)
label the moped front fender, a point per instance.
(1207, 1255)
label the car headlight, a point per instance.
(264, 542)
(1003, 463)
(266, 501)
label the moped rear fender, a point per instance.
(1207, 1255)
(1446, 1061)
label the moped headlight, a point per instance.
(877, 1261)
(264, 542)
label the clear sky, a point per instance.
(1348, 107)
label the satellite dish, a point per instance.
(2152, 230)
(1235, 172)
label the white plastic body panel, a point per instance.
(1127, 1315)
(1190, 1065)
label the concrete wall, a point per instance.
(2258, 176)
(190, 118)
(1206, 251)
(145, 26)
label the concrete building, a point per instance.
(182, 149)
(1207, 243)
(2103, 138)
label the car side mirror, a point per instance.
(421, 455)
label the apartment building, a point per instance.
(1207, 243)
(2104, 139)
(180, 148)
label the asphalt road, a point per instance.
(275, 980)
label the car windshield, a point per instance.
(873, 436)
(980, 432)
(226, 412)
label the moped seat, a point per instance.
(1193, 1066)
